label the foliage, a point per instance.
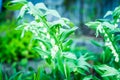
(107, 65)
(54, 42)
(12, 47)
(61, 63)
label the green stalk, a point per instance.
(112, 46)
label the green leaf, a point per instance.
(38, 76)
(103, 20)
(6, 77)
(15, 4)
(107, 70)
(67, 45)
(81, 63)
(117, 38)
(59, 22)
(68, 22)
(1, 75)
(15, 75)
(68, 42)
(34, 11)
(44, 54)
(50, 12)
(67, 33)
(88, 77)
(67, 71)
(71, 64)
(24, 62)
(23, 33)
(108, 25)
(45, 42)
(96, 43)
(69, 55)
(22, 12)
(41, 6)
(93, 25)
(108, 13)
(116, 13)
(60, 63)
(81, 71)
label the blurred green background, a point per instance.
(13, 48)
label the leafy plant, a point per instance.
(107, 65)
(12, 47)
(55, 45)
(54, 42)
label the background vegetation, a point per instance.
(50, 38)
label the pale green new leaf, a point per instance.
(67, 71)
(108, 25)
(69, 55)
(34, 11)
(22, 11)
(107, 70)
(71, 64)
(93, 25)
(53, 12)
(41, 6)
(23, 33)
(83, 64)
(108, 13)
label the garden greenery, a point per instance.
(109, 29)
(9, 37)
(53, 39)
(55, 45)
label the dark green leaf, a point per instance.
(15, 75)
(1, 74)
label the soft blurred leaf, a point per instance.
(83, 64)
(15, 75)
(50, 12)
(24, 62)
(41, 6)
(93, 25)
(69, 55)
(107, 70)
(34, 11)
(67, 71)
(67, 33)
(15, 4)
(1, 75)
(96, 43)
(22, 11)
(116, 13)
(88, 77)
(108, 13)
